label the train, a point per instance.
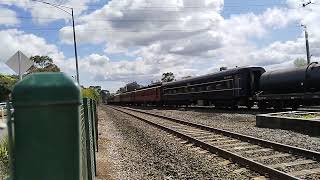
(242, 86)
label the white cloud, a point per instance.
(8, 17)
(188, 41)
(174, 35)
(14, 40)
(131, 23)
(43, 13)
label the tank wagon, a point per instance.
(290, 87)
(236, 87)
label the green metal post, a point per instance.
(10, 138)
(84, 149)
(96, 125)
(47, 128)
(93, 134)
(89, 139)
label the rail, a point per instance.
(208, 138)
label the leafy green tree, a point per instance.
(43, 64)
(6, 84)
(299, 62)
(167, 77)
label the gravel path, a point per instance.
(131, 149)
(244, 124)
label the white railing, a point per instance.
(3, 115)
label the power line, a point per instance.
(111, 20)
(110, 30)
(123, 30)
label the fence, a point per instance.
(53, 133)
(89, 138)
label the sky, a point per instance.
(120, 41)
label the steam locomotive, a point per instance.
(232, 88)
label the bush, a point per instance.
(4, 157)
(91, 94)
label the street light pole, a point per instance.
(74, 32)
(307, 43)
(306, 35)
(75, 46)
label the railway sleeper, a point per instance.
(260, 167)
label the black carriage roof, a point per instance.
(142, 88)
(216, 74)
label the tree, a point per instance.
(6, 85)
(129, 87)
(133, 86)
(43, 64)
(299, 62)
(167, 77)
(91, 94)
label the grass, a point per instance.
(310, 116)
(4, 158)
(303, 115)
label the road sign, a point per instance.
(19, 63)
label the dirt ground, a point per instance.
(104, 167)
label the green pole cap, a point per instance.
(43, 89)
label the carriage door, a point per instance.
(236, 89)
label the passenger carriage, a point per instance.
(228, 88)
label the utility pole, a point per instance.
(307, 43)
(307, 35)
(75, 46)
(63, 8)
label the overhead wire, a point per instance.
(135, 20)
(109, 29)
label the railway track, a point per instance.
(271, 159)
(240, 110)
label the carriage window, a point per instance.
(228, 84)
(219, 86)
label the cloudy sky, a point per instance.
(120, 41)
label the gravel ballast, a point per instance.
(132, 149)
(241, 123)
